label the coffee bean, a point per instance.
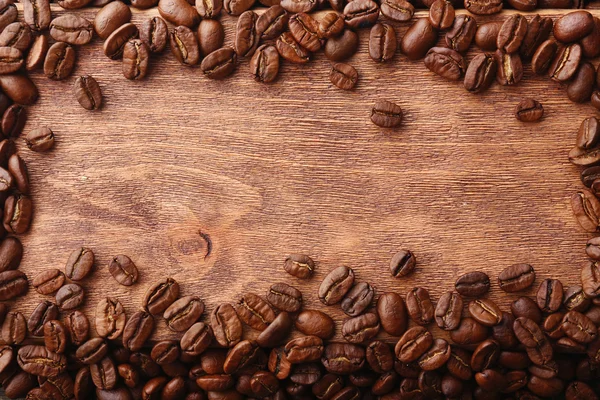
(291, 50)
(490, 380)
(510, 68)
(486, 7)
(130, 375)
(79, 264)
(72, 29)
(264, 384)
(226, 325)
(302, 376)
(160, 296)
(358, 299)
(549, 295)
(87, 92)
(343, 358)
(210, 36)
(305, 30)
(588, 135)
(179, 12)
(92, 351)
(8, 13)
(40, 139)
(276, 331)
(565, 63)
(55, 336)
(436, 356)
(110, 318)
(14, 328)
(588, 175)
(273, 22)
(7, 358)
(11, 60)
(545, 387)
(480, 73)
(196, 339)
(543, 57)
(538, 31)
(579, 327)
(461, 35)
(330, 24)
(529, 110)
(512, 33)
(485, 311)
(285, 297)
(246, 35)
(341, 47)
(360, 329)
(12, 284)
(123, 270)
(575, 299)
(590, 44)
(361, 13)
(278, 363)
(78, 327)
(299, 265)
(328, 386)
(184, 45)
(137, 330)
(6, 182)
(209, 8)
(44, 312)
(18, 170)
(581, 86)
(70, 296)
(183, 313)
(485, 355)
(37, 53)
(238, 7)
(7, 146)
(579, 156)
(104, 374)
(503, 332)
(397, 10)
(528, 332)
(388, 115)
(473, 284)
(448, 311)
(586, 209)
(154, 387)
(445, 62)
(413, 344)
(382, 42)
(418, 39)
(335, 285)
(469, 332)
(48, 281)
(526, 307)
(486, 35)
(590, 279)
(17, 35)
(441, 14)
(114, 45)
(110, 17)
(579, 390)
(154, 32)
(19, 88)
(165, 352)
(379, 356)
(459, 363)
(304, 349)
(343, 76)
(254, 311)
(37, 360)
(315, 323)
(13, 120)
(219, 64)
(516, 277)
(419, 306)
(573, 26)
(136, 56)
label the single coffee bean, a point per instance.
(219, 64)
(8, 13)
(154, 32)
(590, 45)
(441, 14)
(19, 88)
(328, 386)
(48, 281)
(123, 270)
(37, 360)
(343, 358)
(12, 284)
(136, 56)
(565, 63)
(485, 311)
(510, 68)
(137, 330)
(591, 174)
(403, 263)
(528, 332)
(110, 318)
(523, 5)
(273, 22)
(413, 344)
(335, 285)
(445, 62)
(276, 331)
(382, 42)
(130, 375)
(398, 10)
(579, 390)
(13, 120)
(538, 31)
(153, 387)
(299, 265)
(179, 12)
(486, 7)
(573, 26)
(291, 50)
(305, 30)
(545, 387)
(549, 295)
(579, 327)
(361, 328)
(7, 146)
(6, 182)
(343, 76)
(246, 35)
(110, 17)
(379, 356)
(485, 355)
(14, 328)
(70, 296)
(469, 332)
(11, 60)
(358, 299)
(516, 277)
(79, 264)
(448, 311)
(592, 248)
(503, 332)
(304, 349)
(183, 313)
(490, 380)
(238, 7)
(436, 356)
(104, 374)
(264, 65)
(451, 386)
(341, 47)
(486, 35)
(392, 313)
(40, 139)
(165, 352)
(196, 339)
(208, 9)
(160, 296)
(55, 336)
(586, 209)
(285, 297)
(512, 33)
(361, 13)
(45, 311)
(590, 279)
(87, 92)
(254, 311)
(226, 325)
(543, 57)
(461, 35)
(278, 363)
(480, 73)
(386, 115)
(11, 252)
(315, 323)
(72, 29)
(526, 307)
(115, 43)
(37, 53)
(78, 327)
(588, 135)
(418, 39)
(263, 384)
(419, 306)
(529, 110)
(581, 86)
(579, 156)
(473, 284)
(17, 35)
(459, 363)
(92, 351)
(184, 45)
(575, 299)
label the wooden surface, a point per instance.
(297, 166)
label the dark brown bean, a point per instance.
(14, 328)
(48, 281)
(154, 32)
(473, 284)
(137, 330)
(219, 64)
(88, 93)
(529, 110)
(226, 325)
(70, 296)
(43, 312)
(549, 295)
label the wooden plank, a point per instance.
(296, 166)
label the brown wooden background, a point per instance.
(297, 166)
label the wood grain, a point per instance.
(296, 166)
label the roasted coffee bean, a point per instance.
(341, 47)
(17, 35)
(473, 284)
(264, 65)
(579, 156)
(573, 26)
(291, 50)
(344, 76)
(335, 285)
(386, 114)
(436, 356)
(490, 380)
(254, 311)
(430, 383)
(13, 121)
(382, 42)
(461, 35)
(40, 139)
(579, 327)
(414, 343)
(88, 93)
(550, 295)
(72, 29)
(304, 349)
(285, 297)
(246, 35)
(210, 36)
(12, 284)
(79, 264)
(11, 60)
(503, 332)
(403, 263)
(160, 296)
(331, 24)
(512, 33)
(110, 17)
(418, 39)
(115, 43)
(510, 68)
(483, 7)
(581, 86)
(588, 136)
(37, 53)
(305, 30)
(486, 36)
(8, 13)
(237, 7)
(343, 358)
(580, 390)
(528, 332)
(123, 270)
(18, 170)
(6, 183)
(70, 296)
(144, 364)
(130, 375)
(361, 13)
(60, 61)
(538, 31)
(196, 339)
(219, 64)
(18, 385)
(397, 10)
(299, 265)
(441, 14)
(78, 327)
(419, 306)
(278, 364)
(588, 176)
(485, 311)
(44, 312)
(362, 328)
(317, 323)
(586, 209)
(165, 352)
(209, 8)
(136, 56)
(184, 45)
(543, 57)
(37, 360)
(328, 386)
(183, 313)
(226, 325)
(104, 374)
(529, 110)
(240, 356)
(152, 389)
(7, 146)
(110, 318)
(92, 351)
(526, 307)
(480, 73)
(379, 356)
(590, 279)
(154, 32)
(19, 88)
(545, 387)
(448, 311)
(575, 299)
(485, 355)
(48, 281)
(14, 328)
(445, 62)
(270, 25)
(566, 63)
(523, 5)
(459, 364)
(516, 277)
(276, 331)
(179, 12)
(590, 45)
(263, 384)
(358, 299)
(469, 332)
(137, 330)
